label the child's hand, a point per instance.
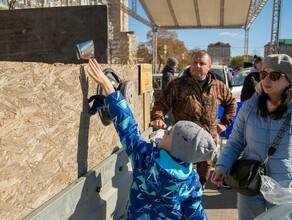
(98, 76)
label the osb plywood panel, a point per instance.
(47, 138)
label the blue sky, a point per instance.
(259, 32)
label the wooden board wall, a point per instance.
(47, 136)
(50, 34)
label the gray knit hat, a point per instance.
(171, 62)
(279, 62)
(191, 143)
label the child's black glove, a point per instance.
(97, 104)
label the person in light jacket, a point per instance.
(257, 125)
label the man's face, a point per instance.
(174, 67)
(200, 66)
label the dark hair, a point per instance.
(279, 112)
(257, 60)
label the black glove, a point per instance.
(97, 104)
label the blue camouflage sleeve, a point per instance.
(192, 207)
(127, 129)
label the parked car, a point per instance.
(238, 81)
(221, 72)
(157, 81)
(157, 84)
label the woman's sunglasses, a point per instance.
(274, 76)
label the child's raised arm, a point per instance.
(98, 76)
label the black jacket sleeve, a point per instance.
(248, 87)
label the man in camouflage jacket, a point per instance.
(196, 97)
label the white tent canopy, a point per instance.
(178, 14)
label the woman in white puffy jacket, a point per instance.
(256, 126)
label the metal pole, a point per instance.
(165, 52)
(274, 44)
(154, 50)
(246, 35)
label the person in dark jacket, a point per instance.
(164, 185)
(251, 80)
(168, 71)
(167, 76)
(196, 97)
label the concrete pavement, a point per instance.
(220, 204)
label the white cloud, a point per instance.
(228, 34)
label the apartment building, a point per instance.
(285, 46)
(220, 53)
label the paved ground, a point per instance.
(220, 204)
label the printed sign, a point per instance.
(145, 73)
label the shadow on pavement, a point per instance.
(214, 198)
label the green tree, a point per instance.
(237, 61)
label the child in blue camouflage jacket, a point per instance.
(165, 185)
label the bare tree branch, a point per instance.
(11, 4)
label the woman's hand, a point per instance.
(217, 177)
(98, 76)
